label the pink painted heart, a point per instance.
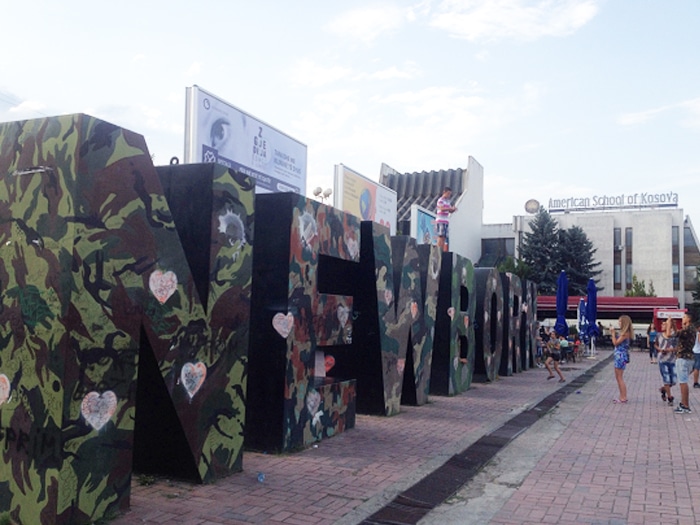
(283, 324)
(192, 377)
(162, 285)
(98, 409)
(400, 365)
(4, 388)
(329, 362)
(388, 296)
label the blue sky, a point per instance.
(555, 99)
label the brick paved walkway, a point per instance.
(606, 464)
(612, 464)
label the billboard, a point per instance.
(359, 196)
(216, 131)
(423, 225)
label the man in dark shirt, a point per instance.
(684, 361)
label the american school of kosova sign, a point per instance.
(614, 202)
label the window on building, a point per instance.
(675, 257)
(691, 277)
(688, 239)
(494, 251)
(617, 259)
(676, 277)
(628, 259)
(691, 259)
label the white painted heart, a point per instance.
(98, 409)
(283, 324)
(451, 312)
(4, 388)
(162, 285)
(353, 248)
(343, 313)
(313, 401)
(192, 377)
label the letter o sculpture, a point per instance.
(489, 333)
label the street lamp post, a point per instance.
(322, 194)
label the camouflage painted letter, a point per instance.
(89, 255)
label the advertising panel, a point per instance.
(423, 225)
(216, 131)
(369, 200)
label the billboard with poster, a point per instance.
(423, 225)
(369, 200)
(216, 131)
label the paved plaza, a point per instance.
(581, 460)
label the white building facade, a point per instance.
(655, 244)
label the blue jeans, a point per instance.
(683, 369)
(668, 373)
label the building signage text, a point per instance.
(620, 201)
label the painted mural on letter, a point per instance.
(89, 254)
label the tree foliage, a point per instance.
(576, 253)
(547, 249)
(639, 288)
(514, 266)
(539, 251)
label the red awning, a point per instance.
(548, 303)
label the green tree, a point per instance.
(540, 252)
(639, 288)
(515, 266)
(576, 254)
(547, 250)
(694, 307)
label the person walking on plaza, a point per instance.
(540, 343)
(622, 353)
(651, 339)
(553, 358)
(684, 361)
(666, 353)
(442, 221)
(696, 359)
(563, 348)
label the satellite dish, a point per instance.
(327, 192)
(532, 206)
(317, 191)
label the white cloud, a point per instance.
(308, 73)
(194, 69)
(691, 109)
(639, 117)
(27, 108)
(432, 102)
(482, 56)
(479, 20)
(369, 23)
(331, 113)
(410, 70)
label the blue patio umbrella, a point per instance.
(582, 321)
(560, 327)
(592, 308)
